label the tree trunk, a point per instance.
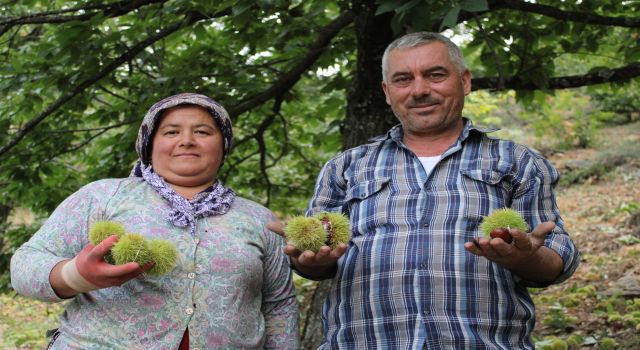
(368, 115)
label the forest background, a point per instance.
(301, 80)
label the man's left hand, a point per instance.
(511, 255)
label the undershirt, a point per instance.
(428, 163)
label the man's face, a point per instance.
(425, 90)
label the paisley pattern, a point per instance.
(216, 200)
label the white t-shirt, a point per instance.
(428, 163)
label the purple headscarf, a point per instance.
(215, 200)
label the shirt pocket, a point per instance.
(483, 192)
(367, 203)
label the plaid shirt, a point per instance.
(406, 281)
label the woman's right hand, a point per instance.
(89, 271)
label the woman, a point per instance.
(232, 285)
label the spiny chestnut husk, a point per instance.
(101, 230)
(131, 247)
(164, 255)
(503, 218)
(311, 233)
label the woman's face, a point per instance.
(187, 147)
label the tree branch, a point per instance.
(287, 80)
(573, 16)
(109, 10)
(621, 74)
(78, 89)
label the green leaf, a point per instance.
(387, 6)
(450, 20)
(474, 5)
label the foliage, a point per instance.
(12, 238)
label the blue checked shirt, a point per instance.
(406, 281)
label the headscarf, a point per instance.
(215, 200)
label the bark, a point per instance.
(312, 334)
(367, 112)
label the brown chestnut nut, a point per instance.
(501, 233)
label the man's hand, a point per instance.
(526, 256)
(318, 265)
(89, 271)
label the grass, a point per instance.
(24, 322)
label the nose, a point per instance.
(420, 87)
(186, 139)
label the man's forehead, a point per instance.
(418, 58)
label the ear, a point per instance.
(466, 82)
(385, 88)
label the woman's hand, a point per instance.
(89, 271)
(318, 265)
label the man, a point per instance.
(417, 273)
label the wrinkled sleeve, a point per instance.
(535, 198)
(330, 190)
(61, 237)
(279, 305)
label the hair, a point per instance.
(422, 38)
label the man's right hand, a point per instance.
(320, 265)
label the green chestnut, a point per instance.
(131, 247)
(503, 219)
(311, 233)
(100, 230)
(164, 255)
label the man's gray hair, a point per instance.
(422, 38)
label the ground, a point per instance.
(600, 304)
(597, 308)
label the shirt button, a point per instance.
(426, 225)
(423, 265)
(188, 311)
(426, 312)
(191, 275)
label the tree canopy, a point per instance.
(300, 78)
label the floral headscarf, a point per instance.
(215, 200)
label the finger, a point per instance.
(339, 251)
(323, 253)
(104, 247)
(522, 241)
(542, 230)
(292, 251)
(307, 258)
(276, 227)
(148, 266)
(472, 247)
(119, 271)
(500, 247)
(487, 246)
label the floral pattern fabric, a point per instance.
(232, 285)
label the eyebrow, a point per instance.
(429, 70)
(196, 126)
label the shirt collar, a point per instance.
(396, 132)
